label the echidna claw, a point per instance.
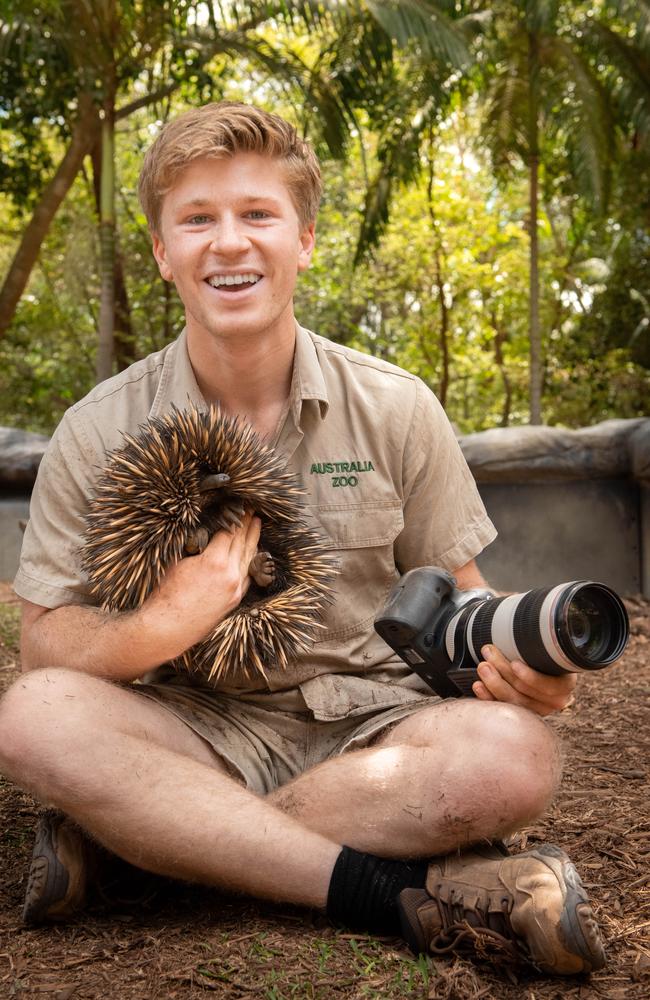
(214, 481)
(262, 569)
(231, 515)
(196, 541)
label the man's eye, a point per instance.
(198, 220)
(258, 213)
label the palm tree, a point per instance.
(541, 85)
(405, 109)
(406, 106)
(107, 46)
(537, 76)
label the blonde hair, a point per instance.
(221, 130)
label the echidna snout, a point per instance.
(214, 481)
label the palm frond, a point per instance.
(506, 116)
(590, 134)
(399, 162)
(425, 24)
(321, 98)
(631, 84)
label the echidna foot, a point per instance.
(262, 569)
(197, 540)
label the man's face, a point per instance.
(230, 240)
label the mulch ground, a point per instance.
(147, 938)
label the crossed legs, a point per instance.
(148, 788)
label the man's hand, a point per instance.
(198, 591)
(192, 597)
(518, 684)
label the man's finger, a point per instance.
(482, 692)
(501, 690)
(532, 683)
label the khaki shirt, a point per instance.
(386, 482)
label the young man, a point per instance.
(333, 785)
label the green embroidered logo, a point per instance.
(348, 468)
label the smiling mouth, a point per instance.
(233, 282)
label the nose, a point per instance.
(229, 237)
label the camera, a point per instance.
(440, 630)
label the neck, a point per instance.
(249, 378)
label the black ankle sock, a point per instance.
(363, 890)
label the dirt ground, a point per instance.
(145, 938)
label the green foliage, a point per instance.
(445, 292)
(10, 627)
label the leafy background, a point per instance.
(430, 120)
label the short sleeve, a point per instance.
(50, 572)
(445, 521)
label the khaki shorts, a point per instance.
(267, 748)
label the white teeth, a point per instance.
(233, 279)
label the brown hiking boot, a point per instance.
(58, 874)
(531, 905)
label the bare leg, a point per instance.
(152, 791)
(458, 773)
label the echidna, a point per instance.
(162, 495)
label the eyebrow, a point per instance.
(247, 199)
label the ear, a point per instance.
(307, 243)
(160, 254)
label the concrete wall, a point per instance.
(568, 505)
(12, 510)
(555, 532)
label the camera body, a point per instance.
(414, 623)
(439, 630)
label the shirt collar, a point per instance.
(178, 385)
(307, 381)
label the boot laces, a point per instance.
(478, 924)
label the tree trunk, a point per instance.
(105, 350)
(83, 136)
(500, 337)
(533, 166)
(123, 335)
(443, 388)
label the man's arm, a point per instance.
(514, 681)
(192, 597)
(469, 577)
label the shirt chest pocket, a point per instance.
(361, 537)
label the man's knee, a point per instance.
(525, 753)
(491, 746)
(39, 717)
